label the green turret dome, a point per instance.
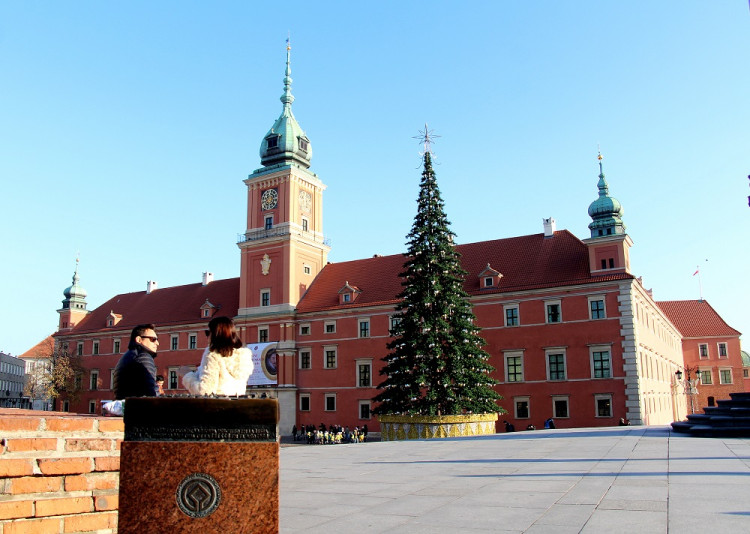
(286, 142)
(75, 295)
(605, 211)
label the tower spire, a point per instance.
(286, 142)
(605, 212)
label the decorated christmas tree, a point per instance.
(436, 364)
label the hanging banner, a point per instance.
(265, 365)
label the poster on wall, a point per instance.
(265, 365)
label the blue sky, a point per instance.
(128, 127)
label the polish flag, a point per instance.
(696, 272)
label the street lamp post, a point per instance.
(692, 378)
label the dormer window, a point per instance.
(303, 144)
(208, 309)
(113, 318)
(489, 278)
(348, 293)
(272, 142)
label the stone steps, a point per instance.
(730, 418)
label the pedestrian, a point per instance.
(226, 364)
(509, 427)
(135, 373)
(549, 423)
(159, 385)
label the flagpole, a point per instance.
(700, 284)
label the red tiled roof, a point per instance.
(171, 305)
(526, 262)
(696, 318)
(41, 350)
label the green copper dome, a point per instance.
(75, 295)
(605, 211)
(286, 142)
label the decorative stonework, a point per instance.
(403, 427)
(198, 495)
(265, 264)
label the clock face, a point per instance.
(269, 199)
(305, 201)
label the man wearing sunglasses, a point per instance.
(135, 374)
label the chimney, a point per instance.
(208, 278)
(549, 227)
(150, 286)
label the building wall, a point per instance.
(59, 473)
(712, 363)
(653, 353)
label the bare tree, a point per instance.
(55, 373)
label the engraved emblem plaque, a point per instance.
(198, 495)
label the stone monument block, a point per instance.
(197, 464)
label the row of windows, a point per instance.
(329, 404)
(174, 344)
(561, 407)
(7, 385)
(721, 350)
(556, 365)
(171, 382)
(11, 369)
(329, 327)
(706, 376)
(553, 311)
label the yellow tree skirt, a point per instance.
(402, 427)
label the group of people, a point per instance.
(224, 369)
(329, 436)
(548, 423)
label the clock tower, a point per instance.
(283, 248)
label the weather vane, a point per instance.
(427, 137)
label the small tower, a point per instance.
(609, 245)
(73, 306)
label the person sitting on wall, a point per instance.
(509, 427)
(135, 373)
(549, 423)
(225, 366)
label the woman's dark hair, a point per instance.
(224, 337)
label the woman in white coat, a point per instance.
(226, 364)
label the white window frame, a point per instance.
(550, 352)
(111, 379)
(261, 330)
(79, 348)
(326, 398)
(306, 269)
(723, 370)
(95, 347)
(192, 341)
(326, 350)
(168, 381)
(116, 343)
(305, 224)
(268, 222)
(525, 399)
(174, 342)
(508, 307)
(362, 362)
(329, 327)
(506, 357)
(547, 304)
(702, 371)
(488, 282)
(597, 298)
(393, 321)
(600, 348)
(700, 351)
(304, 329)
(597, 398)
(307, 397)
(307, 351)
(556, 398)
(92, 407)
(359, 328)
(94, 380)
(265, 293)
(360, 405)
(725, 347)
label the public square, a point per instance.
(616, 479)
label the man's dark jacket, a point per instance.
(135, 374)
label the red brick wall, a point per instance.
(58, 472)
